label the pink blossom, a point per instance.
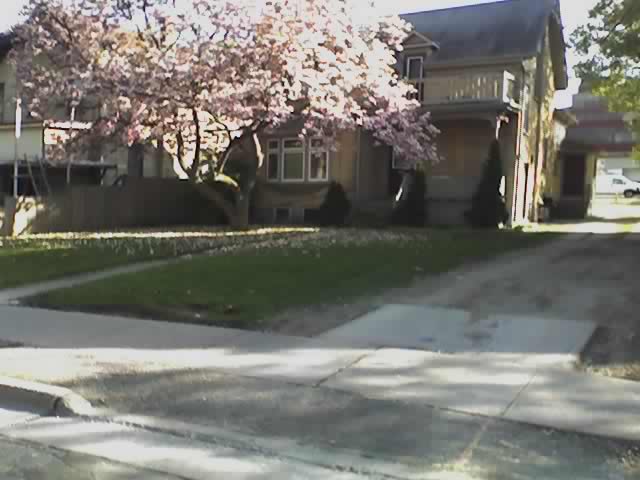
(214, 69)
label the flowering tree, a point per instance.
(207, 78)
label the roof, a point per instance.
(509, 28)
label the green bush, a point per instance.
(336, 207)
(411, 209)
(488, 208)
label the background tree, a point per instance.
(488, 208)
(610, 45)
(207, 79)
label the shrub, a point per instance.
(335, 209)
(411, 210)
(488, 208)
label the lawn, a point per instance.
(36, 258)
(244, 288)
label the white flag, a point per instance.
(18, 117)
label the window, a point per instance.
(292, 160)
(289, 160)
(415, 68)
(318, 161)
(617, 181)
(282, 215)
(273, 159)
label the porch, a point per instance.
(492, 86)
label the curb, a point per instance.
(52, 400)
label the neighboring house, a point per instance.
(102, 164)
(589, 141)
(571, 170)
(484, 71)
(606, 132)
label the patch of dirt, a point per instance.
(614, 353)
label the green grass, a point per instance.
(244, 288)
(39, 258)
(37, 263)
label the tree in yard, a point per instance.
(488, 208)
(610, 45)
(208, 79)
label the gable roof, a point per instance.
(509, 28)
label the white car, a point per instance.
(617, 185)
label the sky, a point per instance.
(574, 13)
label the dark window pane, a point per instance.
(272, 166)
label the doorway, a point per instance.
(573, 178)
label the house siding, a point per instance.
(302, 195)
(463, 146)
(31, 142)
(374, 169)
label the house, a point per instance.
(590, 140)
(484, 71)
(25, 163)
(606, 132)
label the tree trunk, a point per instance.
(237, 214)
(241, 217)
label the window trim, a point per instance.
(408, 68)
(284, 151)
(322, 149)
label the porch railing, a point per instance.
(443, 88)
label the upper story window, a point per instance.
(296, 160)
(415, 68)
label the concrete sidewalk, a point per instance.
(531, 382)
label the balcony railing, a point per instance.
(445, 88)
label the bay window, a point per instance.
(296, 160)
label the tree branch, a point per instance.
(195, 166)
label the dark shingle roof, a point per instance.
(499, 29)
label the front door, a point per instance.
(573, 180)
